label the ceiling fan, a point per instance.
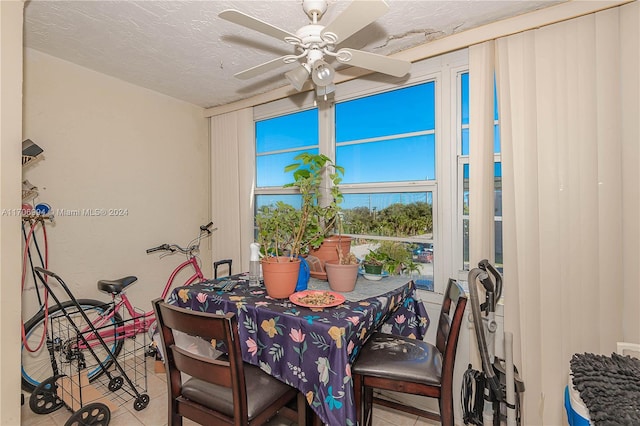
(315, 44)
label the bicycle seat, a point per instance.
(116, 286)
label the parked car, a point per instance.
(423, 253)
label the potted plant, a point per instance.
(342, 273)
(373, 262)
(284, 232)
(320, 202)
(317, 178)
(392, 257)
(277, 227)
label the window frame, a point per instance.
(442, 70)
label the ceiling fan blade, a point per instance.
(255, 24)
(373, 62)
(262, 68)
(355, 17)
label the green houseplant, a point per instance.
(392, 257)
(317, 178)
(283, 229)
(320, 207)
(276, 230)
(284, 232)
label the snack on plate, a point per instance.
(317, 299)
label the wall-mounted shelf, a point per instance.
(30, 153)
(26, 159)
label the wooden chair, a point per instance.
(412, 366)
(223, 390)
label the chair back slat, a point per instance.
(442, 333)
(451, 318)
(196, 323)
(454, 295)
(203, 368)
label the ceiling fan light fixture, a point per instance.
(325, 91)
(314, 41)
(322, 74)
(298, 76)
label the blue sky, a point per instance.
(402, 111)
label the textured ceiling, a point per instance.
(184, 50)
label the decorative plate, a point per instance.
(317, 298)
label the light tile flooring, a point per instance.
(155, 414)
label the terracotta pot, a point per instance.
(281, 276)
(328, 250)
(341, 277)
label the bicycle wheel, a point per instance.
(37, 366)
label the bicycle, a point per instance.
(107, 318)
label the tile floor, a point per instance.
(155, 414)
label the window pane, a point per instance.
(371, 117)
(407, 214)
(465, 216)
(464, 116)
(465, 243)
(287, 132)
(419, 263)
(270, 168)
(294, 200)
(497, 214)
(403, 159)
(464, 88)
(499, 252)
(465, 141)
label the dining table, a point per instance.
(311, 347)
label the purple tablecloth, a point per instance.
(312, 349)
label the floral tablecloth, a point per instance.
(310, 348)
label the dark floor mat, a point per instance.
(609, 387)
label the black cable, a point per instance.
(35, 281)
(472, 396)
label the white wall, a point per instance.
(112, 145)
(10, 147)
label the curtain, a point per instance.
(481, 163)
(568, 109)
(481, 168)
(232, 170)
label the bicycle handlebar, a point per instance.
(163, 247)
(206, 227)
(192, 247)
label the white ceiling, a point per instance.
(184, 50)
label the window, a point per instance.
(279, 140)
(398, 148)
(394, 147)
